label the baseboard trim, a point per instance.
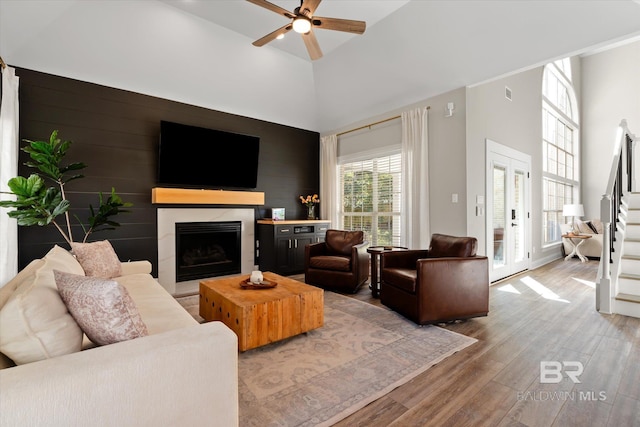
(544, 261)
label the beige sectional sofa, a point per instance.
(181, 373)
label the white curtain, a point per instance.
(329, 180)
(415, 179)
(8, 169)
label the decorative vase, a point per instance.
(256, 276)
(311, 211)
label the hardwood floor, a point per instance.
(547, 314)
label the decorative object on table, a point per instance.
(256, 276)
(256, 281)
(310, 202)
(573, 210)
(277, 214)
(37, 204)
(265, 284)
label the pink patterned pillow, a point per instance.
(98, 259)
(102, 308)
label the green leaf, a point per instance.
(28, 221)
(39, 158)
(35, 147)
(26, 187)
(73, 167)
(73, 178)
(53, 137)
(63, 147)
(61, 208)
(18, 186)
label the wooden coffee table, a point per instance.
(262, 316)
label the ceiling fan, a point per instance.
(303, 21)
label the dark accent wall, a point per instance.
(116, 133)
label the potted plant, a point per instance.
(38, 204)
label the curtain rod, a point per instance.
(2, 63)
(372, 124)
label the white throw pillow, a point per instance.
(34, 322)
(98, 259)
(583, 227)
(103, 308)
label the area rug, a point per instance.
(360, 354)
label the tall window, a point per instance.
(370, 194)
(560, 145)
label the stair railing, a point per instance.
(621, 182)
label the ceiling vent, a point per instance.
(507, 93)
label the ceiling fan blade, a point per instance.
(272, 36)
(336, 24)
(274, 8)
(312, 45)
(310, 5)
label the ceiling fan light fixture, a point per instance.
(301, 25)
(280, 37)
(303, 22)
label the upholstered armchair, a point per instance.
(444, 283)
(340, 263)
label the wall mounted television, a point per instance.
(193, 156)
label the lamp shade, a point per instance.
(573, 210)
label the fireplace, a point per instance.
(207, 249)
(167, 220)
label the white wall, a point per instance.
(152, 48)
(516, 124)
(611, 92)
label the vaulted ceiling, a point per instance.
(200, 52)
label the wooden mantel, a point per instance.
(185, 196)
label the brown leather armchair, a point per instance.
(446, 282)
(340, 263)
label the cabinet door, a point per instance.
(321, 232)
(298, 251)
(284, 260)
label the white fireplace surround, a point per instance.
(168, 217)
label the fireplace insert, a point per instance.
(207, 249)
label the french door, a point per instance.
(508, 210)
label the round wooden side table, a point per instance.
(581, 238)
(375, 252)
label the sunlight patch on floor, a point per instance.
(589, 283)
(509, 288)
(542, 290)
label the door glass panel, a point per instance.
(499, 210)
(518, 224)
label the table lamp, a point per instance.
(573, 210)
